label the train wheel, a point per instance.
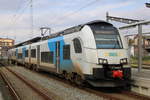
(15, 63)
(67, 76)
(64, 74)
(72, 79)
(78, 80)
(127, 87)
(28, 66)
(31, 67)
(37, 69)
(34, 68)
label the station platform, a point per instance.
(141, 81)
(145, 73)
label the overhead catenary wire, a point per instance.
(17, 10)
(13, 17)
(20, 9)
(85, 6)
(16, 17)
(20, 13)
(75, 12)
(28, 3)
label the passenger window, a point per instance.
(26, 53)
(77, 45)
(47, 57)
(66, 52)
(33, 53)
(19, 55)
(16, 53)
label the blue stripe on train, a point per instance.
(52, 46)
(64, 64)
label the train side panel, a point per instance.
(47, 58)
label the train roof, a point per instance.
(64, 32)
(97, 21)
(36, 39)
(75, 29)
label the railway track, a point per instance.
(107, 95)
(115, 95)
(36, 90)
(110, 94)
(11, 89)
(1, 64)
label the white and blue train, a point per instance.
(94, 52)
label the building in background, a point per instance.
(133, 44)
(5, 44)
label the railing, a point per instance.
(147, 46)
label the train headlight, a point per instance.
(103, 61)
(124, 61)
(100, 61)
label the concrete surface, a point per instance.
(141, 82)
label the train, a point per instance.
(94, 52)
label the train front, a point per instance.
(111, 56)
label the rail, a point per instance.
(11, 88)
(110, 96)
(37, 88)
(41, 91)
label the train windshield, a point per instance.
(106, 37)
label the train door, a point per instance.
(57, 56)
(29, 54)
(23, 54)
(38, 55)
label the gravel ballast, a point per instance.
(23, 90)
(60, 89)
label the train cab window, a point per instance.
(77, 45)
(26, 53)
(33, 53)
(106, 36)
(66, 52)
(47, 57)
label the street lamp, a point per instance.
(147, 5)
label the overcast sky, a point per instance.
(15, 19)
